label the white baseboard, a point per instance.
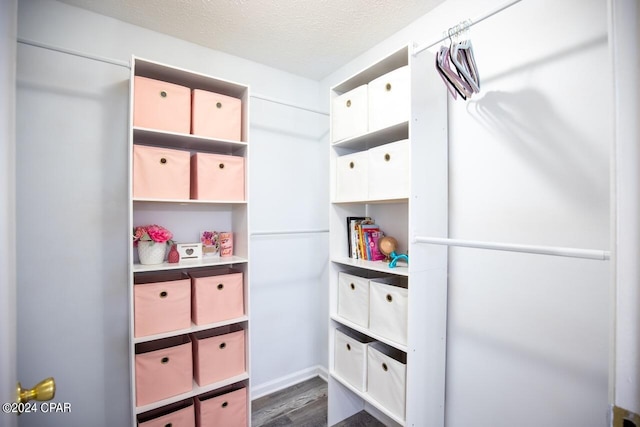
(260, 390)
(323, 373)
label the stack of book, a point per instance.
(362, 237)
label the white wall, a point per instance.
(72, 209)
(528, 337)
(529, 163)
(287, 194)
(8, 32)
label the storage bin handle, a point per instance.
(164, 360)
(352, 165)
(221, 165)
(218, 104)
(164, 294)
(388, 87)
(163, 94)
(389, 298)
(348, 346)
(385, 367)
(168, 425)
(353, 287)
(387, 157)
(220, 286)
(348, 103)
(163, 160)
(223, 345)
(225, 404)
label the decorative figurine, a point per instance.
(388, 246)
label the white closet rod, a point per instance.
(481, 18)
(287, 232)
(127, 65)
(75, 53)
(509, 247)
(288, 104)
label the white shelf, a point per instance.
(402, 269)
(368, 140)
(192, 329)
(195, 391)
(371, 201)
(190, 201)
(367, 332)
(184, 141)
(397, 59)
(196, 263)
(186, 217)
(191, 79)
(425, 208)
(365, 396)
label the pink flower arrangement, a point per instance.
(152, 233)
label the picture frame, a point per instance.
(210, 243)
(189, 251)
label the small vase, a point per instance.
(151, 252)
(173, 256)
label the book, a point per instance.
(351, 234)
(367, 229)
(376, 255)
(367, 239)
(362, 253)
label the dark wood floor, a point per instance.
(303, 405)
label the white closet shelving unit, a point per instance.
(422, 212)
(186, 219)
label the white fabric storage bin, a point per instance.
(350, 357)
(349, 114)
(389, 99)
(353, 298)
(389, 171)
(388, 301)
(387, 377)
(352, 177)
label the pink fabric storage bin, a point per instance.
(216, 295)
(218, 354)
(162, 303)
(164, 368)
(217, 177)
(179, 414)
(224, 410)
(215, 115)
(161, 105)
(160, 173)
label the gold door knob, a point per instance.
(44, 390)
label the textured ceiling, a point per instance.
(311, 38)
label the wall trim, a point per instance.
(292, 379)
